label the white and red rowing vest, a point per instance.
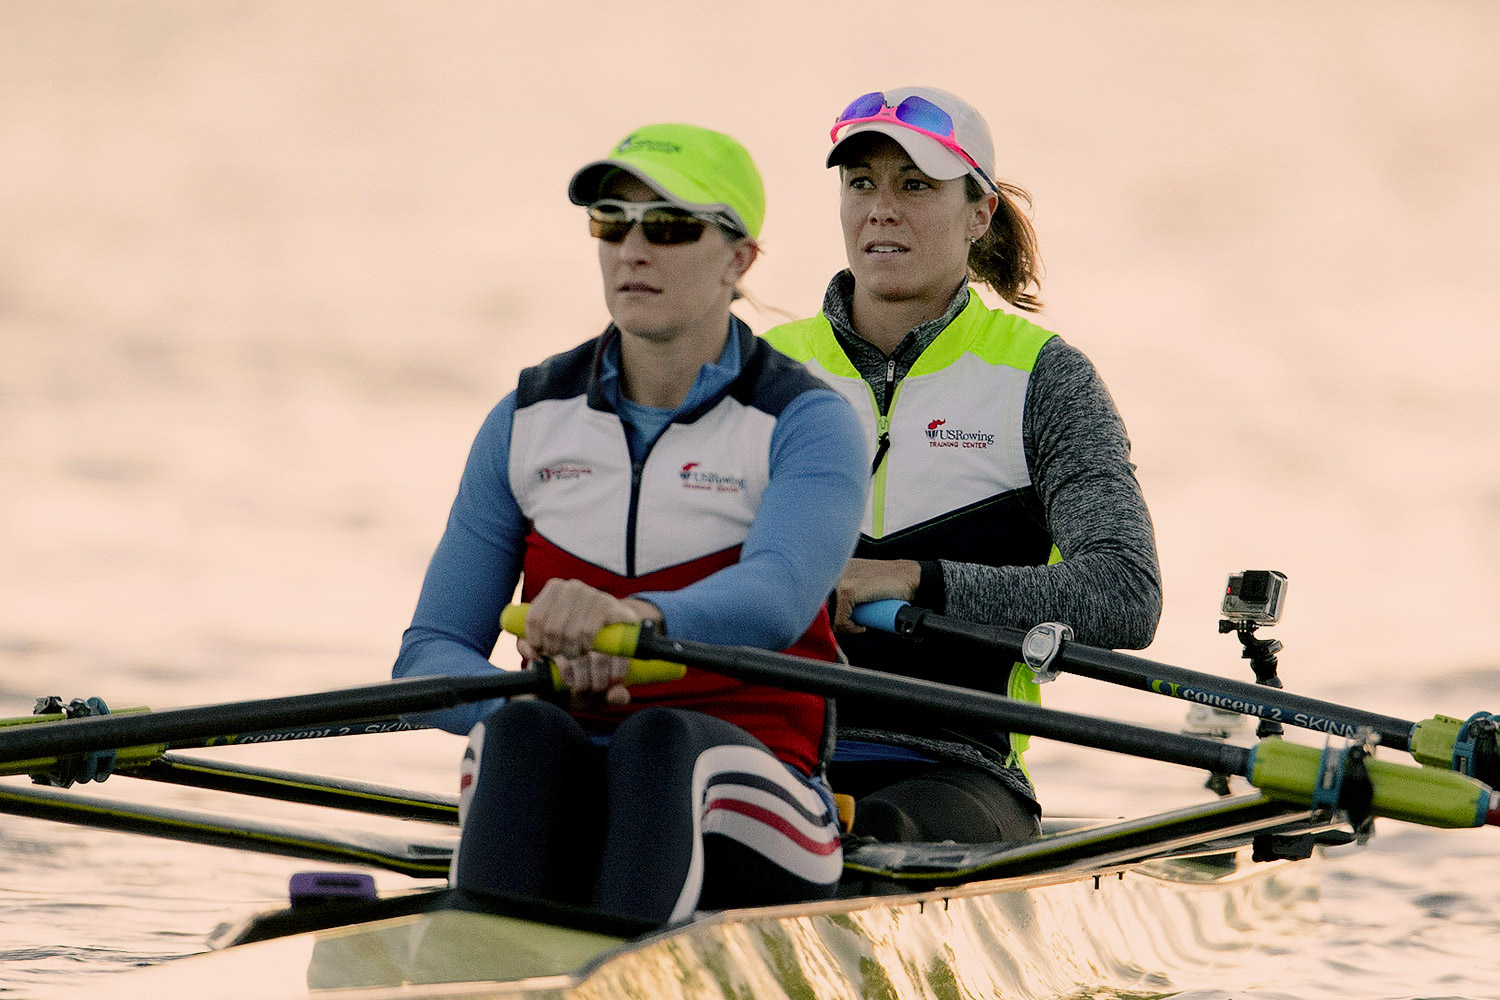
(677, 516)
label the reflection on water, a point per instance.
(265, 268)
(1024, 941)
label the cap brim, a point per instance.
(583, 189)
(586, 184)
(931, 157)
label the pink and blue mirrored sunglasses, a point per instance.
(916, 113)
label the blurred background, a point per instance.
(265, 267)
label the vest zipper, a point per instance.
(882, 446)
(883, 442)
(877, 472)
(635, 502)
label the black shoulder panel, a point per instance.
(564, 376)
(768, 379)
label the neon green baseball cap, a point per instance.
(694, 168)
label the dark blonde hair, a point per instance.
(1006, 257)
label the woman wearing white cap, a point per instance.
(672, 469)
(1002, 486)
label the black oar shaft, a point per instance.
(316, 731)
(1175, 682)
(374, 701)
(417, 857)
(948, 704)
(308, 789)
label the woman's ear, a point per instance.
(984, 211)
(744, 253)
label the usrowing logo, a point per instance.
(564, 471)
(939, 436)
(694, 478)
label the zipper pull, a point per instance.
(882, 441)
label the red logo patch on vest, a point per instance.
(564, 471)
(695, 478)
(955, 437)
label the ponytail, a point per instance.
(1006, 257)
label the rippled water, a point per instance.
(264, 268)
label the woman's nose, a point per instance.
(883, 207)
(635, 246)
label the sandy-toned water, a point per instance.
(265, 266)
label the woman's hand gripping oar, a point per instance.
(612, 641)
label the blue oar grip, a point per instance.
(879, 615)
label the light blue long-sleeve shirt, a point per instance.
(799, 542)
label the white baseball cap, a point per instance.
(941, 132)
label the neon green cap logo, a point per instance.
(694, 168)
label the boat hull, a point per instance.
(1150, 927)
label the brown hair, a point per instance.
(1006, 257)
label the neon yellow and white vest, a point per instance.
(953, 482)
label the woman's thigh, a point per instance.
(533, 813)
(717, 817)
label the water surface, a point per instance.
(264, 268)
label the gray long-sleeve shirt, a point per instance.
(1108, 585)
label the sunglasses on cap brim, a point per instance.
(662, 223)
(915, 113)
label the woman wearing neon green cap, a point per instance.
(673, 469)
(1002, 489)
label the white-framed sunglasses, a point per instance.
(662, 222)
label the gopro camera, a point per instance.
(1254, 597)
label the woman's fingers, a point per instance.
(591, 672)
(566, 615)
(594, 674)
(609, 677)
(866, 580)
(843, 607)
(552, 620)
(562, 622)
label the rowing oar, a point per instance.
(1466, 746)
(157, 763)
(419, 858)
(293, 786)
(137, 757)
(1282, 770)
(38, 744)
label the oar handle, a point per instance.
(618, 639)
(880, 615)
(1283, 771)
(1438, 745)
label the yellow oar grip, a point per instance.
(513, 619)
(617, 640)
